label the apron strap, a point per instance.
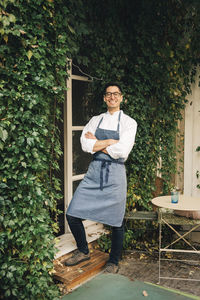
(100, 122)
(105, 163)
(119, 121)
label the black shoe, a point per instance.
(111, 268)
(77, 258)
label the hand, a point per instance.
(104, 151)
(112, 142)
(90, 135)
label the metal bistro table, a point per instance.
(167, 216)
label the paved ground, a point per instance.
(119, 287)
(140, 266)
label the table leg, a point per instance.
(181, 237)
(160, 246)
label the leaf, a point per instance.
(38, 191)
(144, 293)
(23, 164)
(143, 256)
(191, 273)
(80, 270)
(29, 54)
(169, 255)
(30, 141)
(22, 31)
(187, 46)
(3, 134)
(12, 18)
(198, 149)
(5, 37)
(71, 29)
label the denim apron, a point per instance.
(101, 195)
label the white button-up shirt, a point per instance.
(127, 132)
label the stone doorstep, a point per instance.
(73, 276)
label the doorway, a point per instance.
(79, 107)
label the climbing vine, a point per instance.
(150, 47)
(37, 37)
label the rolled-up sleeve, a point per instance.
(127, 139)
(88, 144)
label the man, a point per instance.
(101, 195)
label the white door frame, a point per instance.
(68, 157)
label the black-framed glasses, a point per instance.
(115, 94)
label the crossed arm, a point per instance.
(100, 145)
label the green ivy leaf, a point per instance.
(198, 149)
(23, 164)
(3, 134)
(12, 18)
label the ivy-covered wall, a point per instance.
(151, 48)
(148, 46)
(37, 37)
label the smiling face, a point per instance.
(113, 98)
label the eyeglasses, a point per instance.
(115, 94)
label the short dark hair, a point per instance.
(111, 84)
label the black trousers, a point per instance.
(78, 231)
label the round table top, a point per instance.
(186, 203)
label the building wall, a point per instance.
(192, 140)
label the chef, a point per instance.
(101, 195)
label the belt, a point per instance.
(105, 163)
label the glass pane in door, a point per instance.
(81, 159)
(83, 104)
(75, 185)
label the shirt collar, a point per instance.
(114, 114)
